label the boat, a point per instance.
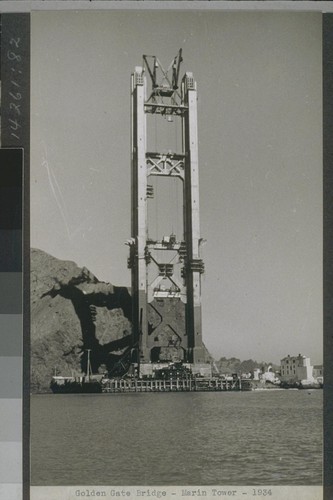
(77, 385)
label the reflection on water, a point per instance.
(246, 438)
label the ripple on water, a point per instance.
(180, 439)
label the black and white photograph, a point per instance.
(176, 262)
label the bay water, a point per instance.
(205, 438)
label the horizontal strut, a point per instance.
(165, 109)
(168, 164)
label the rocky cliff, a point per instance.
(71, 311)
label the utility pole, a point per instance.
(89, 372)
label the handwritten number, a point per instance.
(16, 96)
(15, 83)
(15, 107)
(15, 125)
(15, 41)
(13, 57)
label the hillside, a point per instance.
(71, 311)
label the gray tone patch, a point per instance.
(11, 377)
(11, 491)
(11, 420)
(11, 293)
(11, 334)
(10, 250)
(11, 462)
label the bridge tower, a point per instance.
(165, 267)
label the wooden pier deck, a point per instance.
(170, 385)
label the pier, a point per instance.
(170, 385)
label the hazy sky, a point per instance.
(260, 153)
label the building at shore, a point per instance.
(298, 369)
(318, 373)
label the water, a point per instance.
(245, 438)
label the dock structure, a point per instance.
(165, 261)
(171, 385)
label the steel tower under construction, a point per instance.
(166, 268)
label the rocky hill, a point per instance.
(71, 311)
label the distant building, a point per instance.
(296, 369)
(270, 376)
(318, 371)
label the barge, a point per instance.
(88, 383)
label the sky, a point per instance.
(259, 80)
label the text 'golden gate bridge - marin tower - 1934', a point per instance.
(165, 258)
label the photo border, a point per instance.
(326, 8)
